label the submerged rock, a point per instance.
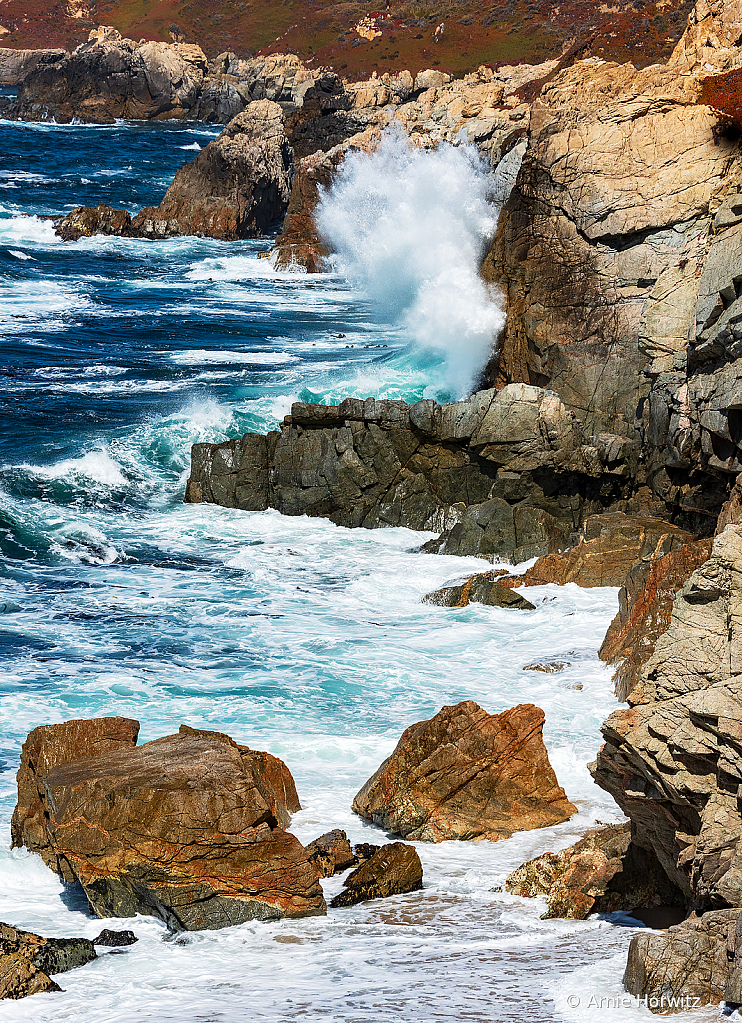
(602, 873)
(394, 869)
(187, 828)
(466, 774)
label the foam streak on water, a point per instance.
(291, 634)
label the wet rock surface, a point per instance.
(27, 960)
(465, 774)
(602, 873)
(186, 828)
(393, 869)
(505, 473)
(479, 589)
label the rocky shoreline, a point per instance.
(605, 440)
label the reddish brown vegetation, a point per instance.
(323, 31)
(724, 94)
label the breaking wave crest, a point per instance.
(409, 227)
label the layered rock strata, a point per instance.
(465, 774)
(644, 608)
(189, 828)
(15, 65)
(505, 473)
(671, 760)
(602, 873)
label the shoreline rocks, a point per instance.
(602, 873)
(394, 869)
(504, 474)
(479, 589)
(188, 828)
(467, 775)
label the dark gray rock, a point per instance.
(394, 869)
(503, 474)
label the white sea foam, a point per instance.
(97, 466)
(409, 227)
(194, 146)
(196, 357)
(19, 255)
(28, 230)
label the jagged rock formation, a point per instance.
(237, 187)
(626, 189)
(483, 588)
(331, 853)
(602, 873)
(506, 473)
(465, 774)
(671, 761)
(394, 869)
(189, 828)
(644, 608)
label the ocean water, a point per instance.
(290, 634)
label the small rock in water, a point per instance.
(115, 939)
(550, 667)
(394, 869)
(331, 853)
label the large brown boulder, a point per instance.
(50, 746)
(467, 774)
(185, 828)
(644, 607)
(237, 187)
(602, 873)
(394, 869)
(609, 547)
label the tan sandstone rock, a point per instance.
(466, 774)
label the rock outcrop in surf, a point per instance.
(189, 828)
(466, 774)
(506, 474)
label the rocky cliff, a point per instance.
(619, 251)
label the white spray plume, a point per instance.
(409, 228)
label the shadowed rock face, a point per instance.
(505, 473)
(479, 589)
(394, 869)
(671, 761)
(188, 828)
(466, 774)
(237, 187)
(602, 873)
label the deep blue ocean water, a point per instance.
(291, 634)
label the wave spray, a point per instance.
(409, 228)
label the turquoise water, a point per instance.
(291, 634)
